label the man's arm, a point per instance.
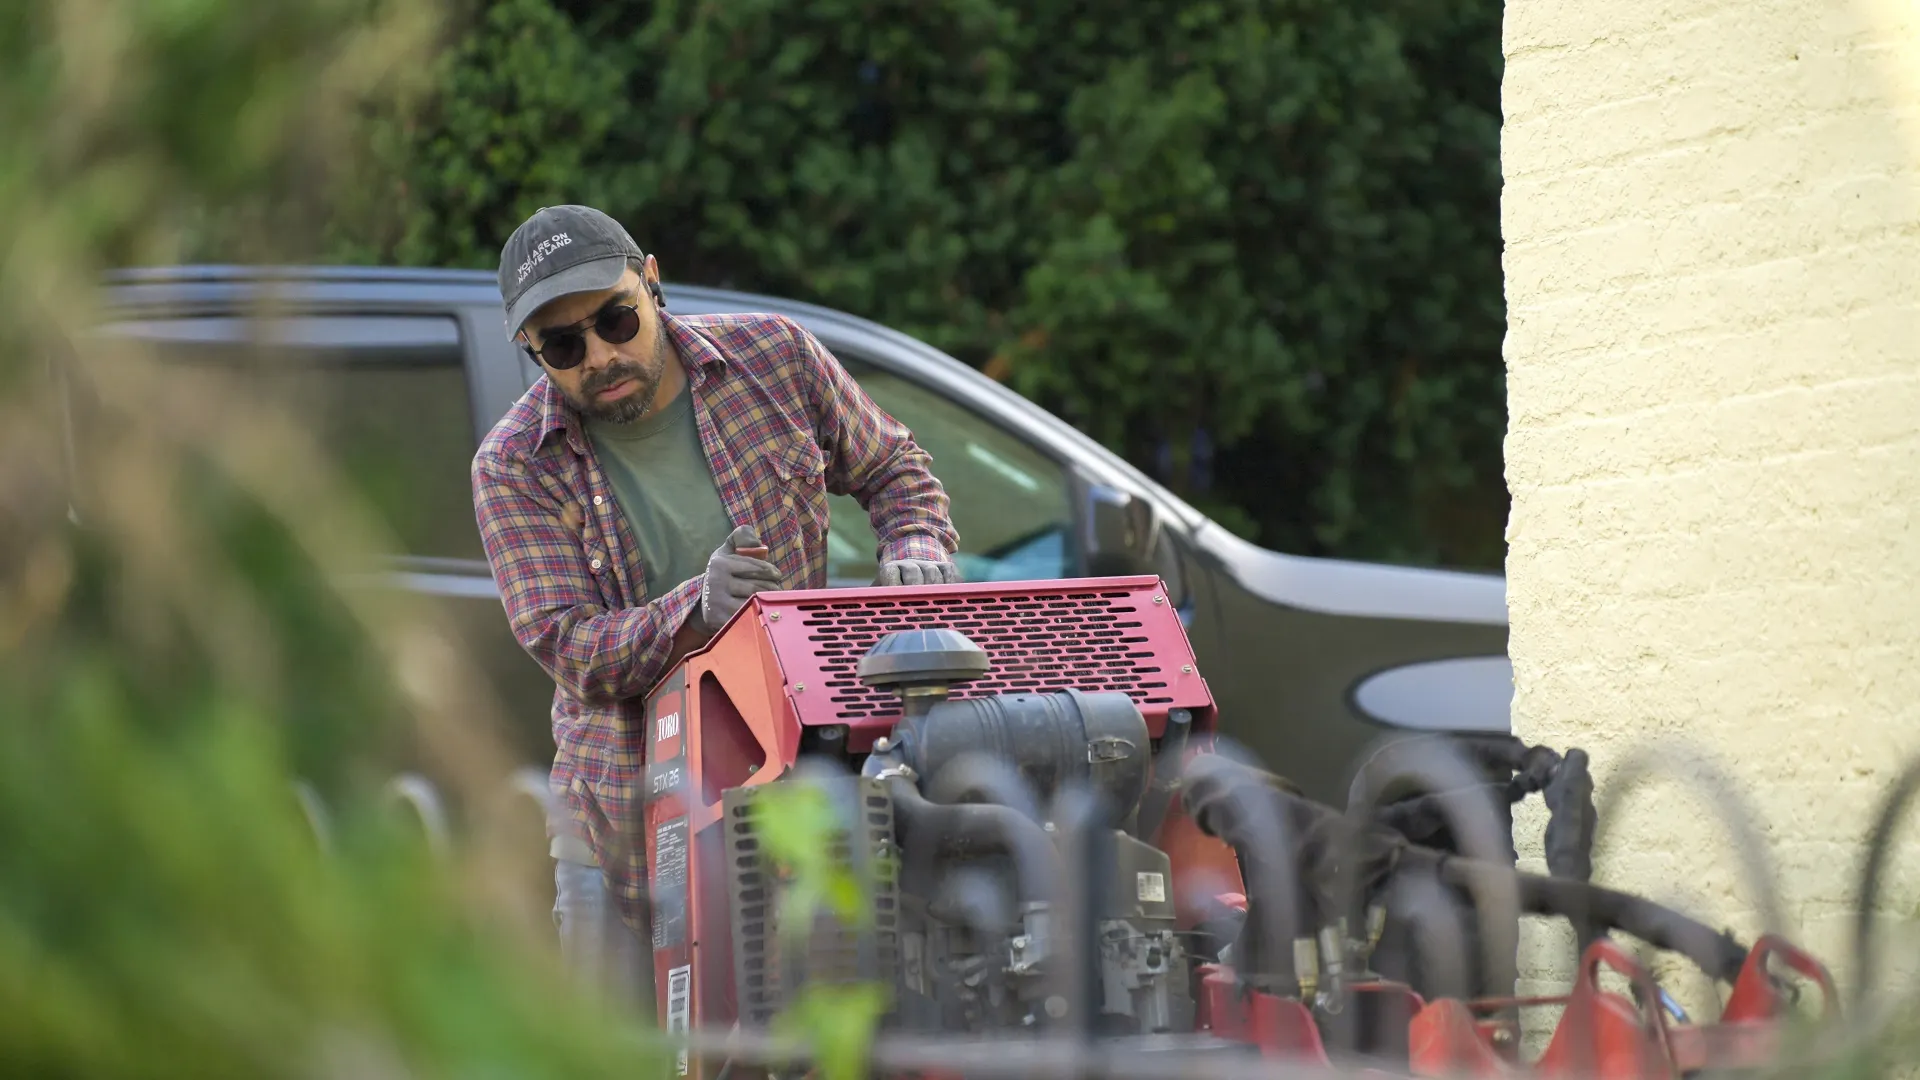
(873, 457)
(596, 655)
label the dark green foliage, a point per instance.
(1250, 244)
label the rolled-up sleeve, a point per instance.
(873, 457)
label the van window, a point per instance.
(384, 396)
(1011, 505)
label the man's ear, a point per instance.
(651, 277)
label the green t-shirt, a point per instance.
(661, 479)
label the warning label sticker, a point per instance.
(670, 884)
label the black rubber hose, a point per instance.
(1866, 959)
(1426, 819)
(1502, 759)
(1423, 818)
(1534, 771)
(1166, 773)
(1477, 824)
(1571, 824)
(1571, 820)
(1718, 954)
(981, 778)
(1228, 801)
(930, 829)
(969, 896)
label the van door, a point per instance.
(388, 397)
(1011, 504)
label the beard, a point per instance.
(646, 378)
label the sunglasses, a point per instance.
(566, 347)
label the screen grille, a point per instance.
(1088, 641)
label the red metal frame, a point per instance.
(1601, 1034)
(1604, 1035)
(1283, 1028)
(1748, 1034)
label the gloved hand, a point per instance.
(735, 571)
(917, 572)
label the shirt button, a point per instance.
(598, 499)
(596, 564)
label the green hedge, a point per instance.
(1250, 244)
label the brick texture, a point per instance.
(1712, 226)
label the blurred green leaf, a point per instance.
(839, 1023)
(798, 825)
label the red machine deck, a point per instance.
(733, 714)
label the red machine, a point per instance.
(1032, 767)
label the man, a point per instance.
(661, 471)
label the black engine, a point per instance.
(1005, 807)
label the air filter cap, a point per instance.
(932, 656)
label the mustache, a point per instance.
(612, 373)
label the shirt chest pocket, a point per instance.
(799, 461)
(796, 501)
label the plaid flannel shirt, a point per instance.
(783, 425)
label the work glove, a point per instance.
(918, 572)
(737, 569)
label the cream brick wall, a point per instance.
(1712, 227)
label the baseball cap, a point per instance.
(559, 251)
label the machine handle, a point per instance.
(1609, 953)
(1755, 993)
